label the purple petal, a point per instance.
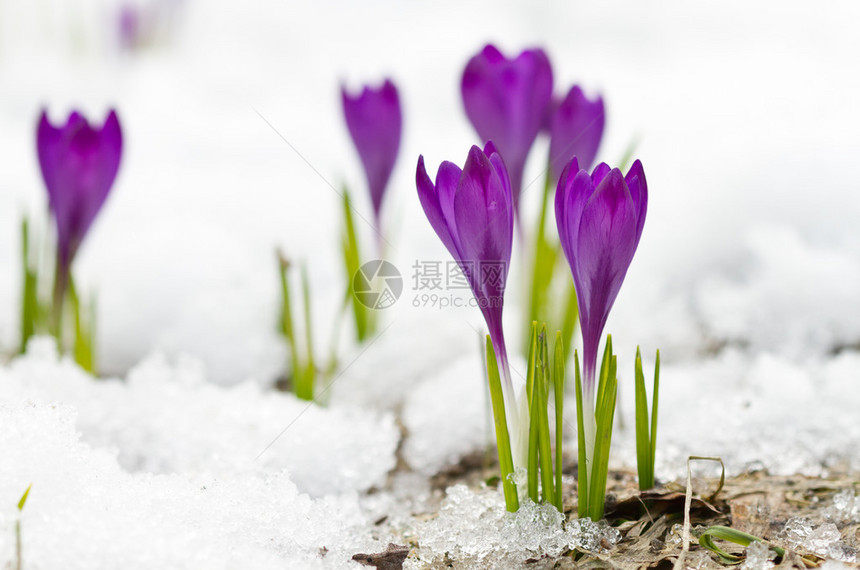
(375, 123)
(576, 130)
(79, 165)
(429, 198)
(638, 186)
(506, 102)
(600, 219)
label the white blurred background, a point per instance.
(747, 116)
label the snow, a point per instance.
(746, 275)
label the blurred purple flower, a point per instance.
(79, 164)
(600, 218)
(576, 127)
(472, 212)
(375, 122)
(506, 101)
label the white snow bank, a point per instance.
(757, 410)
(168, 419)
(85, 511)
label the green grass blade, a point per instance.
(287, 327)
(503, 440)
(29, 290)
(534, 442)
(305, 389)
(655, 395)
(81, 347)
(542, 393)
(351, 259)
(604, 372)
(604, 417)
(582, 468)
(23, 500)
(543, 262)
(531, 393)
(643, 438)
(627, 157)
(571, 317)
(731, 535)
(559, 359)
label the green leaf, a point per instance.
(644, 458)
(84, 330)
(543, 262)
(305, 387)
(627, 157)
(654, 408)
(582, 468)
(571, 316)
(559, 359)
(286, 325)
(731, 535)
(29, 295)
(503, 441)
(23, 499)
(604, 417)
(352, 262)
(534, 403)
(545, 444)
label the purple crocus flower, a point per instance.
(506, 100)
(600, 218)
(472, 212)
(79, 164)
(375, 122)
(576, 127)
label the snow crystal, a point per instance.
(758, 557)
(821, 538)
(474, 530)
(845, 508)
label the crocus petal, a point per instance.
(638, 186)
(79, 165)
(475, 207)
(576, 129)
(482, 212)
(506, 101)
(375, 122)
(600, 219)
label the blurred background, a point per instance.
(746, 116)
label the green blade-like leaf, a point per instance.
(352, 263)
(627, 157)
(82, 351)
(305, 389)
(559, 359)
(531, 392)
(23, 500)
(29, 299)
(582, 468)
(286, 325)
(604, 417)
(731, 535)
(542, 393)
(543, 262)
(643, 438)
(503, 441)
(655, 395)
(604, 372)
(571, 317)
